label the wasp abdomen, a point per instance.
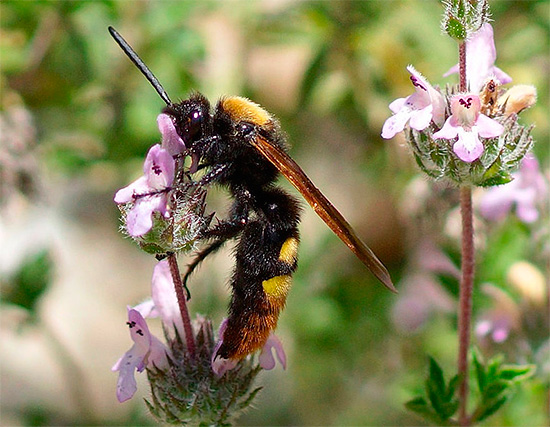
(261, 283)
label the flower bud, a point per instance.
(517, 99)
(462, 18)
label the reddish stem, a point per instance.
(182, 302)
(463, 87)
(465, 304)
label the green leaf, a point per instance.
(419, 406)
(455, 29)
(451, 388)
(435, 398)
(30, 282)
(449, 409)
(490, 409)
(440, 395)
(495, 389)
(493, 368)
(517, 372)
(495, 176)
(480, 371)
(436, 377)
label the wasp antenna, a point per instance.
(140, 64)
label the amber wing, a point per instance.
(324, 208)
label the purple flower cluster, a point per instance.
(149, 352)
(466, 124)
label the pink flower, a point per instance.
(220, 366)
(267, 361)
(164, 297)
(467, 124)
(419, 109)
(526, 190)
(146, 351)
(481, 55)
(150, 192)
(171, 141)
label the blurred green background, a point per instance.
(77, 119)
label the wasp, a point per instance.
(241, 147)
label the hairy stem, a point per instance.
(182, 302)
(465, 304)
(463, 87)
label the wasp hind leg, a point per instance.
(222, 232)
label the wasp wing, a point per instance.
(323, 207)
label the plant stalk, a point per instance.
(462, 85)
(465, 301)
(182, 302)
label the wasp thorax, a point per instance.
(244, 110)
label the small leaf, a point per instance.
(493, 368)
(489, 410)
(435, 398)
(449, 409)
(419, 406)
(436, 376)
(495, 176)
(455, 29)
(495, 389)
(451, 388)
(517, 372)
(480, 371)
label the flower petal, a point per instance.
(139, 220)
(468, 147)
(481, 55)
(448, 131)
(126, 366)
(139, 331)
(171, 141)
(397, 105)
(159, 168)
(487, 127)
(420, 119)
(164, 296)
(501, 76)
(267, 361)
(146, 309)
(126, 194)
(426, 95)
(395, 123)
(219, 365)
(157, 354)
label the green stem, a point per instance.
(182, 302)
(465, 303)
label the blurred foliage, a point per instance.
(30, 282)
(95, 119)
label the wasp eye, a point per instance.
(246, 129)
(192, 127)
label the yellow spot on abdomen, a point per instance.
(243, 109)
(277, 286)
(289, 250)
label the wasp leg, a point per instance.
(222, 232)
